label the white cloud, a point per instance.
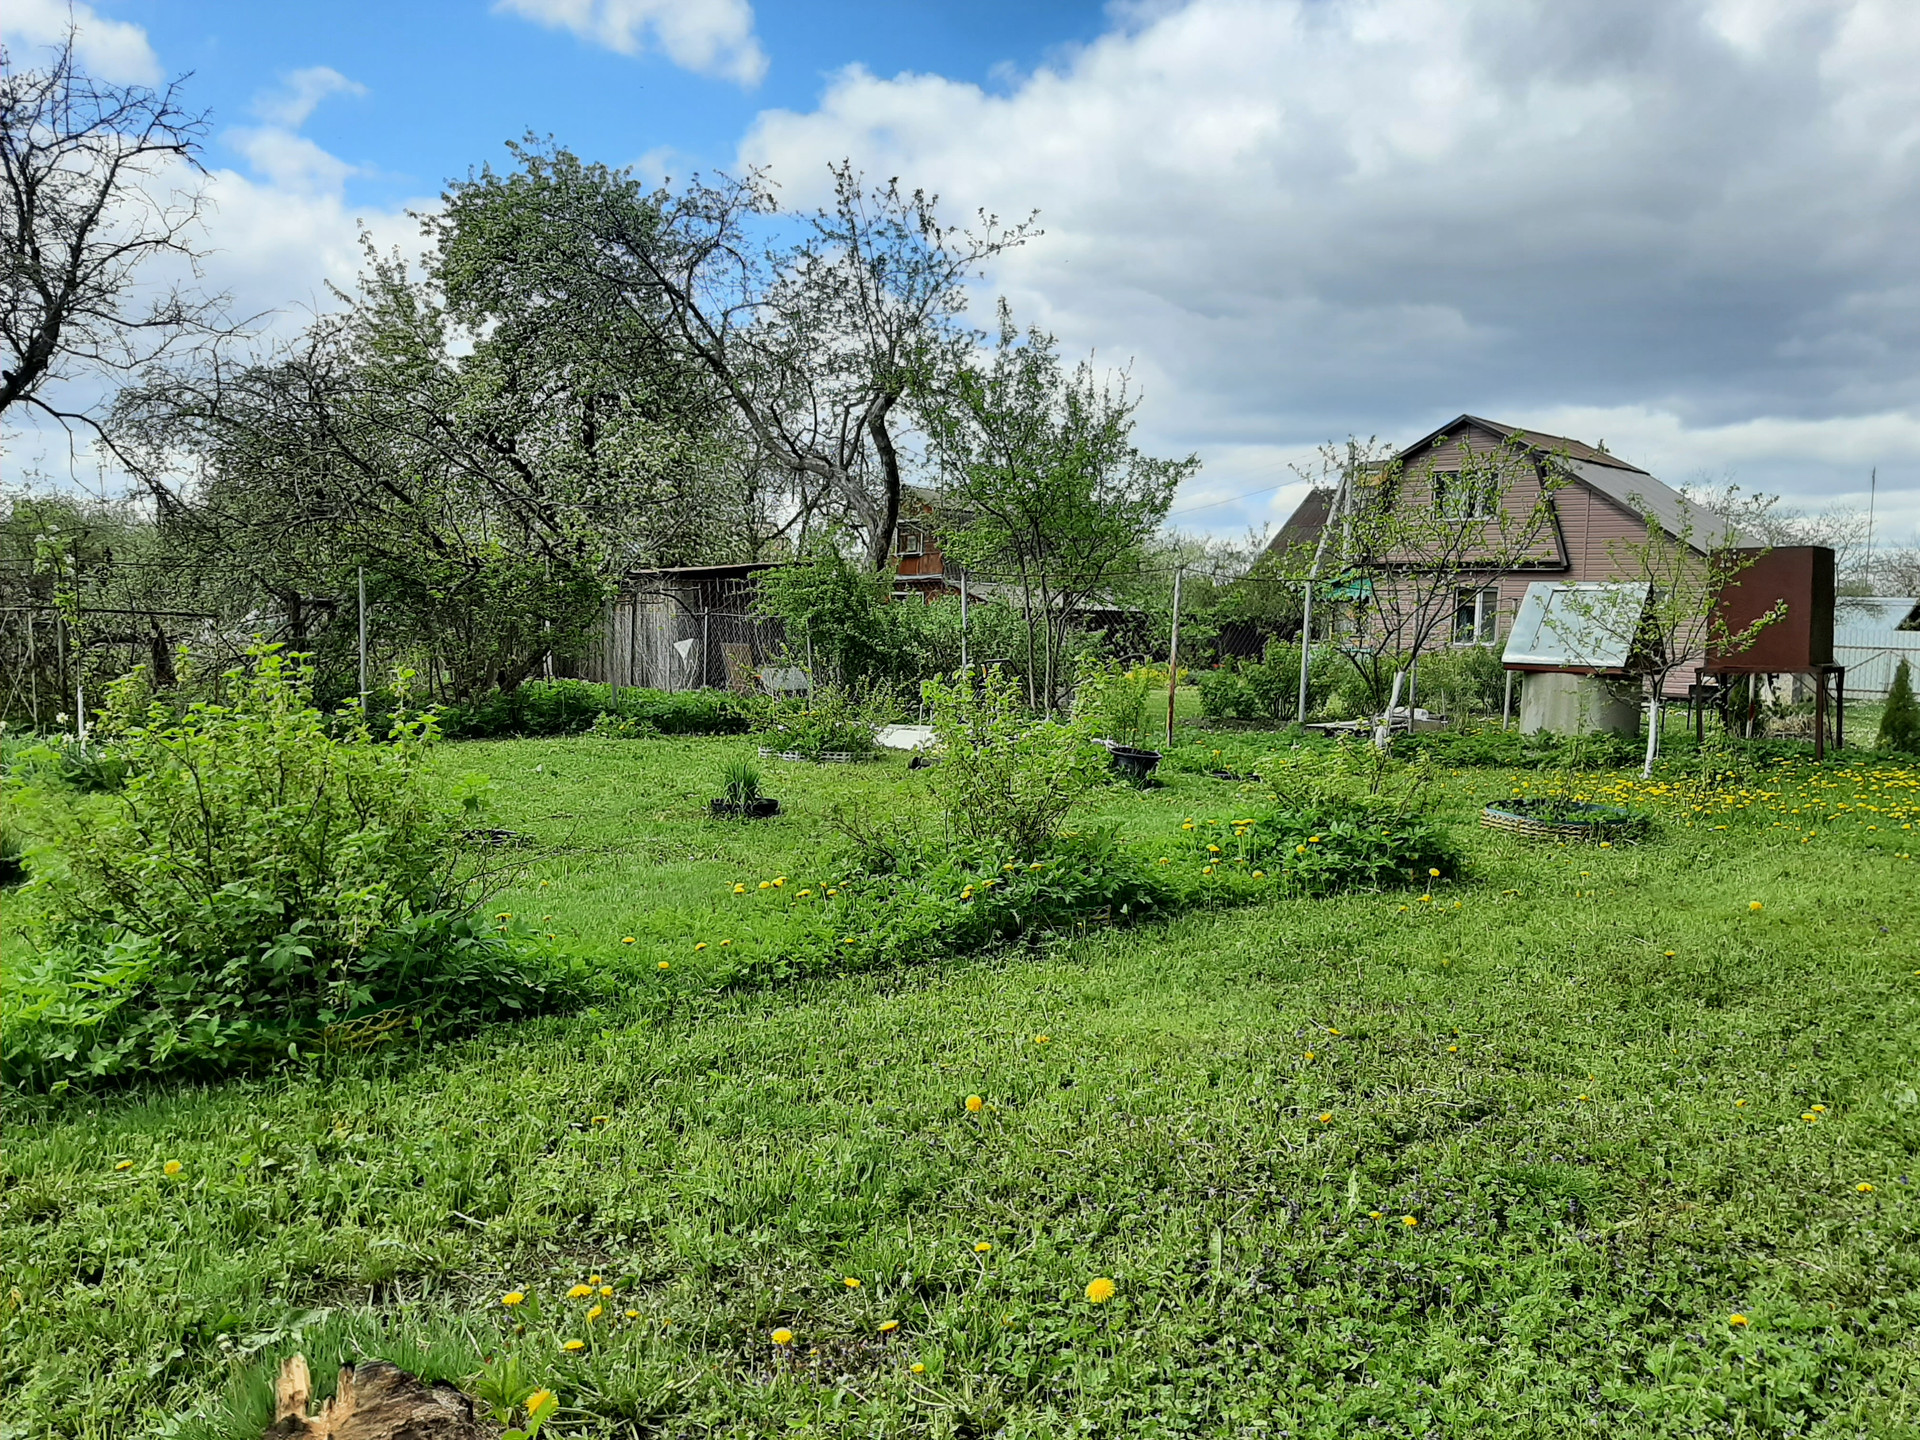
(709, 37)
(300, 92)
(1311, 217)
(114, 50)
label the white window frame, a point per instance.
(1486, 615)
(1448, 488)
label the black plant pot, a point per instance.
(758, 809)
(1136, 765)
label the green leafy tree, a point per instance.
(1060, 502)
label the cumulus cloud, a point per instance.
(708, 37)
(300, 92)
(1688, 221)
(113, 50)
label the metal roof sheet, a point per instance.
(1576, 626)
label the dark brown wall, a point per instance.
(1801, 575)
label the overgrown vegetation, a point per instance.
(263, 881)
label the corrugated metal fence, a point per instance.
(1871, 655)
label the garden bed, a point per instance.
(1551, 819)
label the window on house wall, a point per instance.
(1476, 616)
(910, 540)
(1457, 497)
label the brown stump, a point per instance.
(375, 1401)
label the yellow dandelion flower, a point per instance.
(593, 1279)
(579, 1292)
(596, 1312)
(124, 1165)
(1736, 1319)
(606, 1289)
(917, 1368)
(1259, 874)
(782, 1336)
(172, 1167)
(626, 940)
(1313, 839)
(887, 1327)
(832, 891)
(1041, 1039)
(1327, 1119)
(806, 894)
(571, 1345)
(1818, 1109)
(700, 946)
(982, 1248)
(975, 1104)
(631, 1314)
(1099, 1290)
(513, 1297)
(725, 943)
(778, 881)
(664, 965)
(1213, 849)
(1409, 1220)
(766, 884)
(1435, 874)
(1374, 1214)
(540, 1402)
(739, 889)
(600, 1119)
(1864, 1188)
(1755, 905)
(851, 1283)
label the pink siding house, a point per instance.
(1600, 500)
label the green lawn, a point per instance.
(1489, 1162)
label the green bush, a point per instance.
(1122, 705)
(830, 721)
(1461, 679)
(259, 882)
(571, 707)
(1268, 689)
(1004, 778)
(1900, 719)
(927, 900)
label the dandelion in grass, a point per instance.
(917, 1368)
(1375, 1214)
(975, 1104)
(983, 1248)
(1864, 1188)
(1409, 1220)
(782, 1336)
(739, 889)
(631, 1314)
(600, 1119)
(1818, 1109)
(579, 1292)
(1433, 873)
(887, 1327)
(596, 1312)
(1259, 874)
(806, 894)
(1736, 1319)
(851, 1283)
(1100, 1290)
(540, 1402)
(572, 1345)
(831, 891)
(172, 1167)
(1041, 1039)
(1327, 1119)
(766, 884)
(513, 1298)
(124, 1165)
(626, 940)
(725, 943)
(1755, 905)
(664, 965)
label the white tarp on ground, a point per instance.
(904, 737)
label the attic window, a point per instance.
(1459, 498)
(910, 540)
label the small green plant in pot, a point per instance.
(740, 797)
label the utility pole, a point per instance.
(1873, 486)
(1173, 656)
(363, 641)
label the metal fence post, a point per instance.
(1173, 656)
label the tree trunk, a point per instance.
(881, 548)
(375, 1401)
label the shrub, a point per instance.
(258, 879)
(570, 707)
(831, 721)
(1118, 704)
(1462, 678)
(1900, 720)
(929, 900)
(1268, 689)
(1005, 779)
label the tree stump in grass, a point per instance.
(375, 1401)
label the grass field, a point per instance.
(1582, 1142)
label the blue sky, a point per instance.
(1683, 227)
(447, 81)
